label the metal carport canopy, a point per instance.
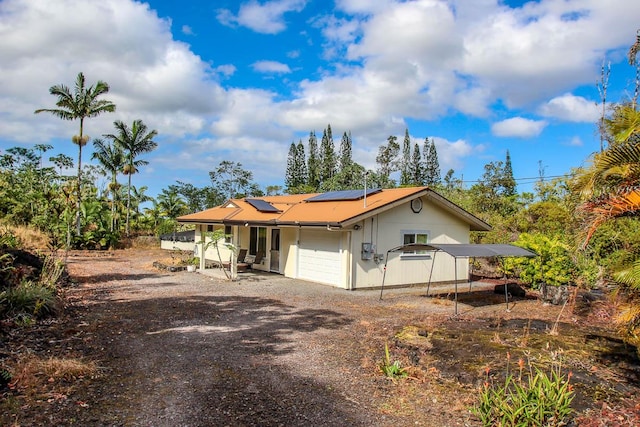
(461, 250)
(469, 250)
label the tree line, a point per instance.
(584, 226)
(319, 168)
(71, 209)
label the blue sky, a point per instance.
(240, 80)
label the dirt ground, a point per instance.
(186, 349)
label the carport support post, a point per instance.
(473, 261)
(433, 262)
(504, 275)
(455, 266)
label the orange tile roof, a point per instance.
(296, 210)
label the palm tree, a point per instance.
(154, 214)
(139, 197)
(171, 203)
(82, 104)
(111, 157)
(610, 188)
(133, 141)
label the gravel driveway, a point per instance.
(186, 349)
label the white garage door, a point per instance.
(319, 257)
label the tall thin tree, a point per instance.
(416, 168)
(83, 103)
(328, 160)
(291, 176)
(432, 164)
(134, 141)
(405, 162)
(111, 158)
(345, 158)
(509, 184)
(138, 197)
(387, 161)
(301, 163)
(313, 163)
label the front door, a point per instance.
(274, 264)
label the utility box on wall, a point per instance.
(368, 249)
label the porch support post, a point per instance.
(202, 259)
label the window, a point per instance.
(228, 234)
(209, 227)
(415, 236)
(257, 240)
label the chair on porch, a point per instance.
(242, 265)
(255, 259)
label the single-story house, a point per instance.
(340, 238)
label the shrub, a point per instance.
(52, 270)
(533, 398)
(9, 240)
(553, 265)
(28, 298)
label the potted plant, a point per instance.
(192, 264)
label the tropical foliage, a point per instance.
(83, 103)
(609, 189)
(132, 141)
(584, 225)
(553, 265)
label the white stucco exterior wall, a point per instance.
(385, 231)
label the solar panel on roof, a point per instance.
(343, 195)
(262, 205)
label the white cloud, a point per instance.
(392, 62)
(338, 33)
(250, 113)
(576, 141)
(364, 7)
(154, 77)
(518, 127)
(266, 18)
(271, 67)
(571, 108)
(226, 69)
(451, 154)
(187, 30)
(526, 54)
